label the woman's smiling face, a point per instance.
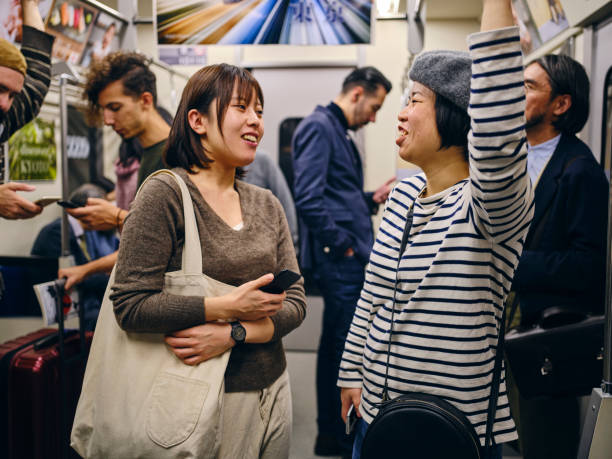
(241, 131)
(418, 136)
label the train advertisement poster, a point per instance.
(259, 22)
(548, 16)
(32, 152)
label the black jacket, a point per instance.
(565, 264)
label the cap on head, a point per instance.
(11, 57)
(445, 72)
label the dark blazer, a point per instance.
(333, 210)
(565, 265)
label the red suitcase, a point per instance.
(31, 391)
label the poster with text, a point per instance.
(182, 54)
(259, 22)
(32, 152)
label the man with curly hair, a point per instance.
(121, 92)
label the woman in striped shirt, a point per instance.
(472, 206)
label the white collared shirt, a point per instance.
(538, 157)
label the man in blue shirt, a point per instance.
(563, 262)
(335, 228)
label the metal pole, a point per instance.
(606, 384)
(62, 379)
(64, 160)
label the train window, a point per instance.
(606, 128)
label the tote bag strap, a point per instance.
(192, 249)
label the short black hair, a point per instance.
(568, 77)
(453, 124)
(369, 78)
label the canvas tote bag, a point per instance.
(138, 399)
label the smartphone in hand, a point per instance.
(69, 204)
(281, 282)
(351, 420)
(46, 200)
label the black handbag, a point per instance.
(562, 355)
(425, 426)
(420, 426)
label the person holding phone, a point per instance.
(24, 82)
(121, 92)
(244, 236)
(84, 245)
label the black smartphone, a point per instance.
(281, 282)
(68, 204)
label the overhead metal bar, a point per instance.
(168, 68)
(107, 10)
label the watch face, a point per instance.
(238, 333)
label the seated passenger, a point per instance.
(244, 236)
(472, 208)
(85, 246)
(563, 263)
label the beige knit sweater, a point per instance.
(151, 244)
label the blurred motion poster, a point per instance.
(258, 22)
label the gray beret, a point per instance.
(445, 72)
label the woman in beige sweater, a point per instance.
(244, 237)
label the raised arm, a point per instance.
(501, 190)
(36, 48)
(31, 14)
(496, 14)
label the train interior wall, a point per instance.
(294, 80)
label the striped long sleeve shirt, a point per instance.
(457, 269)
(36, 48)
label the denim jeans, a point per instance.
(340, 281)
(494, 452)
(360, 430)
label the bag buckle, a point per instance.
(547, 367)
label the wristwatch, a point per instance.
(238, 333)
